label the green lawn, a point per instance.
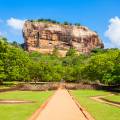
(8, 84)
(4, 87)
(99, 111)
(21, 111)
(114, 98)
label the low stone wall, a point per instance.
(40, 87)
(55, 86)
(75, 86)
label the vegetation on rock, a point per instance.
(54, 21)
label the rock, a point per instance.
(44, 37)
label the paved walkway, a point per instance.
(61, 107)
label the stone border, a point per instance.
(14, 101)
(103, 100)
(55, 86)
(114, 102)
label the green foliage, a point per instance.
(66, 23)
(77, 24)
(14, 43)
(45, 20)
(3, 54)
(13, 62)
(71, 52)
(2, 74)
(98, 50)
(16, 64)
(47, 68)
(104, 67)
(54, 21)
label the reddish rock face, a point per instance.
(45, 36)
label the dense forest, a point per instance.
(101, 65)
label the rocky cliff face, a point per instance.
(45, 37)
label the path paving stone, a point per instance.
(61, 107)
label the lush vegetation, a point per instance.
(18, 65)
(21, 111)
(55, 22)
(98, 110)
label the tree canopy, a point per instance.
(18, 65)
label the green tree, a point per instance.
(16, 64)
(2, 74)
(103, 67)
(3, 53)
(77, 24)
(71, 52)
(66, 23)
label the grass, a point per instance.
(9, 84)
(21, 111)
(4, 87)
(114, 98)
(99, 111)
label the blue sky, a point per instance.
(98, 15)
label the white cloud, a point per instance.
(113, 32)
(16, 23)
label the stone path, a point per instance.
(61, 107)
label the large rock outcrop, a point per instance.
(46, 36)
